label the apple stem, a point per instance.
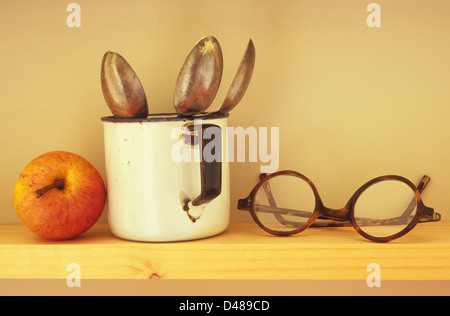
(58, 183)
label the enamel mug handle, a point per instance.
(210, 168)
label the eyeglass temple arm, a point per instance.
(433, 216)
(412, 205)
(423, 183)
(335, 222)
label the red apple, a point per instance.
(59, 195)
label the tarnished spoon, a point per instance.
(121, 87)
(241, 80)
(199, 78)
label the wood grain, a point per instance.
(242, 252)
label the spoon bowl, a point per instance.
(241, 80)
(121, 87)
(199, 79)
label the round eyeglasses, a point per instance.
(386, 208)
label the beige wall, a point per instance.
(351, 102)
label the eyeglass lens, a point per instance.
(284, 203)
(385, 208)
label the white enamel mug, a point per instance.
(167, 177)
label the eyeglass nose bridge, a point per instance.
(342, 214)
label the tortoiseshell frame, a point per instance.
(340, 217)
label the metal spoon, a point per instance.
(121, 87)
(241, 80)
(199, 79)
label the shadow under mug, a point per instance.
(162, 186)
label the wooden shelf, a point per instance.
(243, 252)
